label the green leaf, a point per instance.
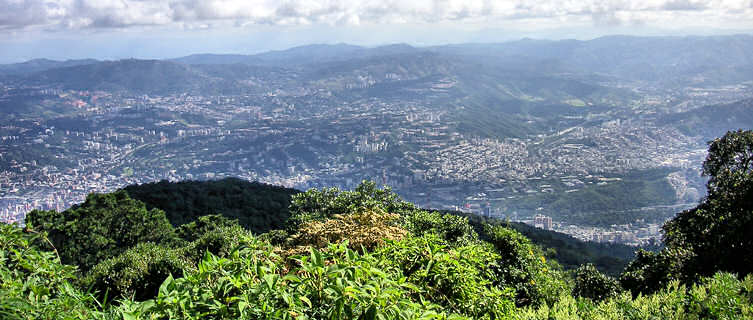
(305, 300)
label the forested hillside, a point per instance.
(258, 207)
(261, 208)
(367, 254)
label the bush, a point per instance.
(652, 271)
(459, 279)
(523, 267)
(453, 228)
(722, 296)
(318, 205)
(275, 237)
(367, 229)
(594, 285)
(220, 242)
(251, 283)
(138, 272)
(203, 225)
(35, 285)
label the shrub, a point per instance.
(459, 279)
(592, 284)
(367, 228)
(35, 285)
(318, 205)
(138, 272)
(275, 237)
(453, 228)
(652, 271)
(251, 283)
(220, 242)
(523, 267)
(722, 296)
(203, 225)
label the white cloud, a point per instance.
(80, 14)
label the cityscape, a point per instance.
(303, 138)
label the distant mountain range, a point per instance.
(666, 61)
(530, 79)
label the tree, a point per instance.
(104, 226)
(717, 231)
(715, 235)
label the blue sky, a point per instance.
(113, 29)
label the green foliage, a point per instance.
(362, 254)
(275, 237)
(250, 284)
(317, 205)
(104, 226)
(35, 285)
(138, 272)
(715, 235)
(257, 207)
(452, 228)
(570, 252)
(651, 271)
(717, 231)
(459, 279)
(524, 268)
(722, 296)
(592, 284)
(221, 241)
(203, 225)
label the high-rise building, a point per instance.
(543, 222)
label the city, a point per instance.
(103, 141)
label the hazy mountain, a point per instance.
(210, 58)
(38, 65)
(396, 71)
(153, 77)
(667, 60)
(297, 56)
(714, 120)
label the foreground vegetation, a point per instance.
(367, 254)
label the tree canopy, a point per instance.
(715, 235)
(102, 227)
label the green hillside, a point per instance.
(256, 206)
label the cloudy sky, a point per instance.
(110, 29)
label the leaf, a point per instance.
(163, 289)
(305, 300)
(130, 316)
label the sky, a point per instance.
(115, 29)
